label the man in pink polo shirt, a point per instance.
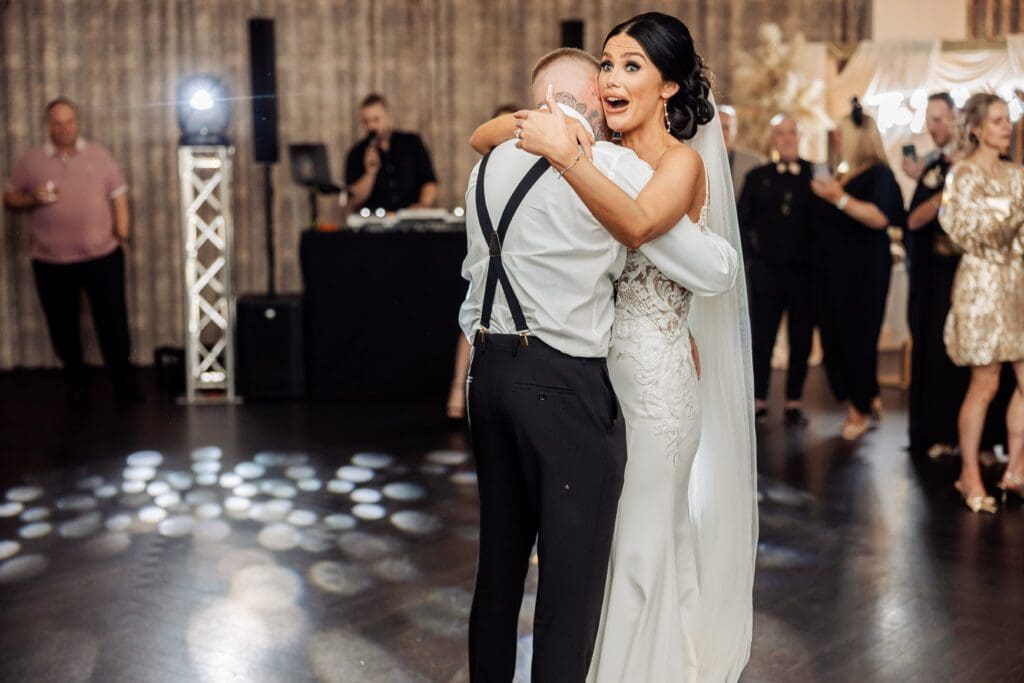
(77, 204)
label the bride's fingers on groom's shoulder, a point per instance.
(522, 114)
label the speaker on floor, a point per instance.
(264, 90)
(270, 347)
(572, 33)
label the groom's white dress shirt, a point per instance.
(562, 263)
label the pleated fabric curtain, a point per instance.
(444, 65)
(988, 19)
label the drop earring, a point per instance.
(668, 126)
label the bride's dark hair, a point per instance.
(668, 43)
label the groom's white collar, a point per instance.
(575, 114)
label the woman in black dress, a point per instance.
(854, 263)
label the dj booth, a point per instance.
(381, 306)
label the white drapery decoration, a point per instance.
(888, 76)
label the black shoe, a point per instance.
(795, 417)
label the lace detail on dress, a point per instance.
(651, 331)
(642, 291)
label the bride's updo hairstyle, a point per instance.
(668, 43)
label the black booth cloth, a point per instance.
(381, 312)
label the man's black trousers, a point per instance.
(550, 449)
(60, 289)
(774, 291)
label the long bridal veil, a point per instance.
(723, 485)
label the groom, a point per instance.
(547, 437)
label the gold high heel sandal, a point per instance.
(1011, 483)
(852, 432)
(977, 503)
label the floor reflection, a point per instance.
(259, 548)
(282, 542)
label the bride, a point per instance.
(678, 600)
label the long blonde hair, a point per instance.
(860, 146)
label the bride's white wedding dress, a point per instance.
(652, 593)
(678, 601)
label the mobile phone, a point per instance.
(910, 152)
(821, 171)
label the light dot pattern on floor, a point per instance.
(208, 499)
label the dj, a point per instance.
(388, 169)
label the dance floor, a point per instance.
(336, 542)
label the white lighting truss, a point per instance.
(207, 239)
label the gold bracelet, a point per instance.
(579, 155)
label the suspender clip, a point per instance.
(524, 339)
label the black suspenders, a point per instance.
(495, 238)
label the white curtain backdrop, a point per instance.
(889, 75)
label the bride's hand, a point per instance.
(552, 135)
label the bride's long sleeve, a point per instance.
(703, 262)
(699, 260)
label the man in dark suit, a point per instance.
(937, 386)
(775, 219)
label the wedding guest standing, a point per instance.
(776, 221)
(937, 386)
(854, 264)
(77, 204)
(983, 213)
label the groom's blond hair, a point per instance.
(563, 53)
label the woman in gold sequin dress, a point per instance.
(983, 212)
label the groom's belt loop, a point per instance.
(495, 238)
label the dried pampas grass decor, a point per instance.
(766, 82)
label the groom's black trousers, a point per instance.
(550, 450)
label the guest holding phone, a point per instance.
(854, 261)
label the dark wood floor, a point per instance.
(336, 542)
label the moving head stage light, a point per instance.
(203, 111)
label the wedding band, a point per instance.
(518, 135)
